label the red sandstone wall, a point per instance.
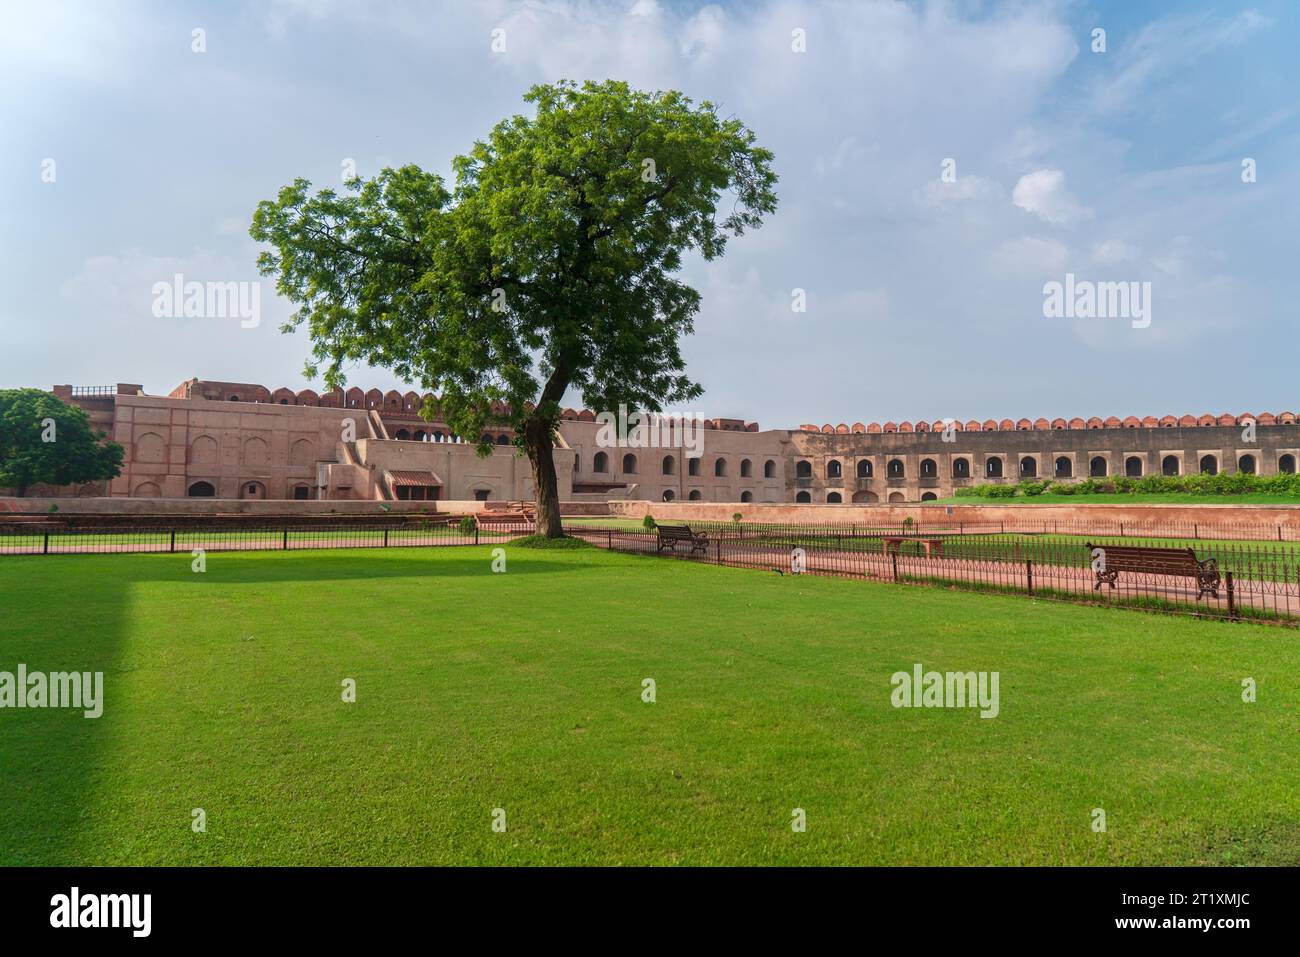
(1285, 515)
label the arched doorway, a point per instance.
(201, 490)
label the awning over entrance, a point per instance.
(413, 479)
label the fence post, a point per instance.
(172, 548)
(1121, 529)
(476, 533)
(718, 551)
(1029, 576)
(609, 539)
(1232, 598)
(893, 561)
(46, 550)
(1196, 531)
(286, 539)
(385, 538)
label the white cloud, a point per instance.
(1043, 193)
(1110, 251)
(1160, 48)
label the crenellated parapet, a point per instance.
(1044, 425)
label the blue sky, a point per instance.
(924, 298)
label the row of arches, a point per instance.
(669, 466)
(1206, 420)
(860, 498)
(1063, 467)
(151, 448)
(694, 495)
(248, 489)
(432, 435)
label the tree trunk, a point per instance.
(541, 454)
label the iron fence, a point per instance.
(1247, 590)
(20, 540)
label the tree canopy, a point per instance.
(550, 263)
(44, 440)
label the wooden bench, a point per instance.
(1175, 562)
(933, 547)
(671, 535)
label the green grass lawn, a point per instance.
(522, 691)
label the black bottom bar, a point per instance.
(980, 906)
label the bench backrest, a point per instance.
(1136, 558)
(676, 531)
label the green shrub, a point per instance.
(1236, 483)
(468, 525)
(648, 523)
(541, 541)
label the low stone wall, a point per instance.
(121, 505)
(1286, 516)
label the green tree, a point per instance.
(551, 265)
(45, 440)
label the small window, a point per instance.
(1209, 465)
(1246, 464)
(803, 498)
(670, 465)
(993, 467)
(803, 469)
(928, 468)
(600, 463)
(720, 468)
(1097, 467)
(746, 468)
(895, 469)
(481, 495)
(1133, 467)
(694, 496)
(1029, 467)
(747, 496)
(669, 495)
(834, 498)
(1169, 465)
(833, 469)
(693, 466)
(864, 468)
(629, 464)
(960, 468)
(769, 469)
(1286, 464)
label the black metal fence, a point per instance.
(1247, 590)
(1260, 580)
(21, 540)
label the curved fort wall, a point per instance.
(243, 441)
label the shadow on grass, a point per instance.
(53, 762)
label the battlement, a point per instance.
(1044, 425)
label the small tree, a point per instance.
(44, 440)
(551, 265)
(648, 523)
